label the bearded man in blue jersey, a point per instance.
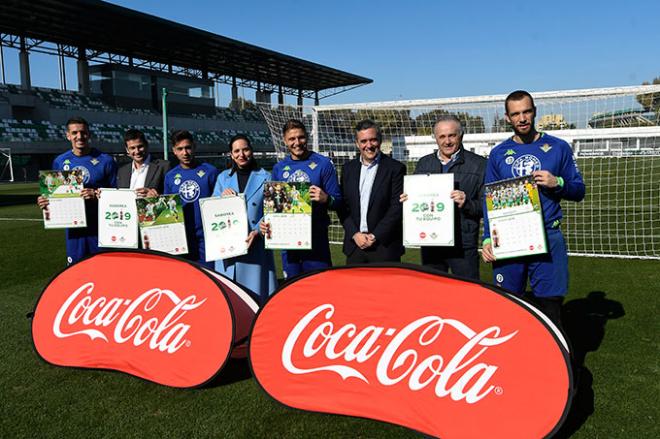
(191, 180)
(550, 160)
(303, 165)
(98, 170)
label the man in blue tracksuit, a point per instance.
(550, 160)
(303, 165)
(99, 171)
(191, 180)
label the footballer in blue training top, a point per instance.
(99, 171)
(550, 160)
(191, 180)
(306, 166)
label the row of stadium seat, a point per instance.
(69, 100)
(223, 113)
(12, 130)
(75, 101)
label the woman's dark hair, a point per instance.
(252, 164)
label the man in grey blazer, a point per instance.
(144, 174)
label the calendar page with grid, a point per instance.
(515, 218)
(162, 226)
(66, 207)
(288, 210)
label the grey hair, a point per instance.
(449, 118)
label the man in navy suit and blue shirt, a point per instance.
(372, 214)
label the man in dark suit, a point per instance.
(372, 214)
(144, 174)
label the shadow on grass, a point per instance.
(584, 322)
(13, 200)
(234, 371)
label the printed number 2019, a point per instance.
(118, 215)
(426, 207)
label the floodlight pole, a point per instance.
(164, 94)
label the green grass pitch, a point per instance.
(612, 306)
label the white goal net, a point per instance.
(614, 132)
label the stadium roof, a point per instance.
(100, 26)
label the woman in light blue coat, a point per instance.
(256, 269)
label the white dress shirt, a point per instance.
(139, 174)
(367, 177)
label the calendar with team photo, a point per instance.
(288, 210)
(66, 207)
(162, 225)
(515, 218)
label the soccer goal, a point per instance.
(6, 166)
(614, 132)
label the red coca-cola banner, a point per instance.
(153, 316)
(446, 357)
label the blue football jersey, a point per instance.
(99, 170)
(191, 185)
(510, 159)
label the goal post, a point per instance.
(6, 165)
(614, 132)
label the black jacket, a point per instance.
(469, 171)
(155, 175)
(385, 214)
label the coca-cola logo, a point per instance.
(153, 316)
(443, 356)
(164, 334)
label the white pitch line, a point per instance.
(21, 219)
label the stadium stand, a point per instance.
(123, 76)
(623, 118)
(12, 130)
(35, 134)
(247, 121)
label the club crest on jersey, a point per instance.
(546, 147)
(525, 165)
(509, 160)
(84, 171)
(299, 176)
(177, 179)
(189, 190)
(285, 174)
